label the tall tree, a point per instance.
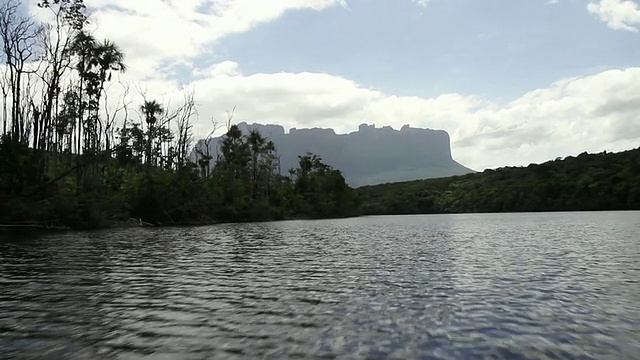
(84, 48)
(56, 43)
(73, 11)
(151, 110)
(235, 155)
(107, 58)
(256, 144)
(18, 34)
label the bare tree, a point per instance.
(56, 45)
(112, 115)
(4, 89)
(184, 127)
(19, 36)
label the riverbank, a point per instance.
(92, 192)
(139, 223)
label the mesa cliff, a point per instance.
(368, 156)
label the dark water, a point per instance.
(462, 286)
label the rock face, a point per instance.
(368, 156)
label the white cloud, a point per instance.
(421, 2)
(591, 113)
(154, 33)
(618, 14)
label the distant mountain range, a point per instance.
(368, 156)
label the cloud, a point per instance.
(590, 113)
(618, 14)
(421, 2)
(156, 33)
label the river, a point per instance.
(543, 285)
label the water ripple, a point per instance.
(516, 286)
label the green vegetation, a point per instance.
(403, 175)
(92, 191)
(68, 158)
(606, 181)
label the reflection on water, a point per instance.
(455, 286)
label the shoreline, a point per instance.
(138, 223)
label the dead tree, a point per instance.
(184, 127)
(112, 115)
(19, 35)
(55, 41)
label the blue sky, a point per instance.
(511, 81)
(495, 48)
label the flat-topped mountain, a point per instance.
(368, 156)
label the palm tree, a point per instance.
(107, 58)
(150, 109)
(83, 45)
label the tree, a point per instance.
(107, 58)
(83, 46)
(19, 35)
(56, 43)
(321, 189)
(256, 144)
(151, 110)
(235, 153)
(73, 11)
(184, 142)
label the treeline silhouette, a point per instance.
(69, 158)
(605, 181)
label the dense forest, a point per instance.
(605, 181)
(71, 157)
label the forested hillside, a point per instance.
(605, 181)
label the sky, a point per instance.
(513, 82)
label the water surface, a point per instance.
(547, 285)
